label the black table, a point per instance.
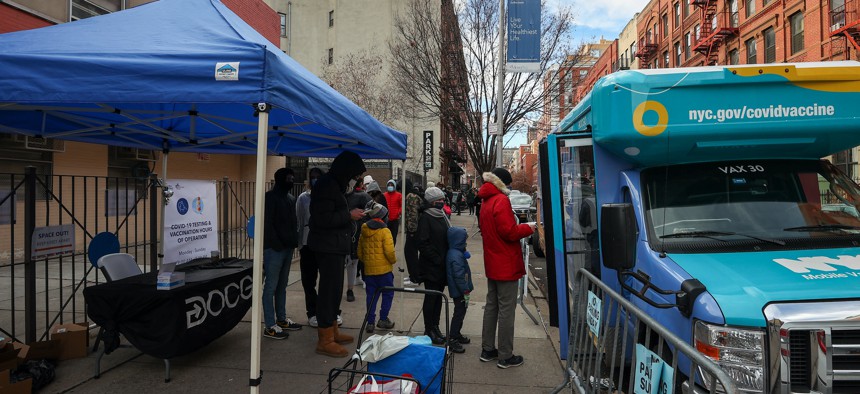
(169, 323)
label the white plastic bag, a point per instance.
(369, 385)
(378, 347)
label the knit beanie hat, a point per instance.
(367, 179)
(376, 211)
(433, 194)
(373, 186)
(503, 175)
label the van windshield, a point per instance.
(750, 205)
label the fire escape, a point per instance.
(647, 49)
(845, 24)
(716, 27)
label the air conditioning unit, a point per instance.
(836, 26)
(146, 155)
(135, 154)
(44, 144)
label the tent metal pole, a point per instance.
(259, 220)
(165, 198)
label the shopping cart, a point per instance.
(431, 367)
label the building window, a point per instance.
(331, 18)
(697, 32)
(749, 8)
(686, 8)
(796, 22)
(283, 24)
(666, 59)
(751, 54)
(687, 44)
(769, 45)
(677, 54)
(837, 14)
(734, 57)
(665, 25)
(733, 12)
(845, 161)
(330, 55)
(677, 15)
(82, 9)
(17, 152)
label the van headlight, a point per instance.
(738, 351)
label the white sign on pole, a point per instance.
(190, 221)
(53, 240)
(493, 130)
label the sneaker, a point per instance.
(289, 325)
(275, 332)
(385, 324)
(350, 296)
(409, 283)
(359, 282)
(369, 328)
(456, 347)
(339, 320)
(312, 321)
(489, 355)
(463, 340)
(514, 361)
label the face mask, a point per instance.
(439, 204)
(289, 185)
(391, 188)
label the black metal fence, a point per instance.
(38, 292)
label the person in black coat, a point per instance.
(432, 234)
(280, 238)
(330, 232)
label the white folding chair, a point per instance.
(116, 266)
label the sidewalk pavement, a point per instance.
(292, 366)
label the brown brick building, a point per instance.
(684, 33)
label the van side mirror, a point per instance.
(618, 235)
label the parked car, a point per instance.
(522, 205)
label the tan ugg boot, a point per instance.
(342, 339)
(326, 345)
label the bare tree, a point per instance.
(363, 78)
(520, 181)
(450, 71)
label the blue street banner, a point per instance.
(523, 36)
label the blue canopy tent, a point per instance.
(180, 76)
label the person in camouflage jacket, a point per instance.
(414, 206)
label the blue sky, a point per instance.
(593, 19)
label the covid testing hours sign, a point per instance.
(190, 221)
(523, 36)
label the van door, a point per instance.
(570, 217)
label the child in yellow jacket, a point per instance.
(376, 251)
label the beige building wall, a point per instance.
(627, 43)
(359, 26)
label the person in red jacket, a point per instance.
(394, 200)
(503, 265)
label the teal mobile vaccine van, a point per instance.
(739, 226)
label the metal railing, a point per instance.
(615, 347)
(38, 292)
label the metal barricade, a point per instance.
(614, 347)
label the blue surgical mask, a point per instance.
(391, 188)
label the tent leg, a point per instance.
(259, 219)
(164, 199)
